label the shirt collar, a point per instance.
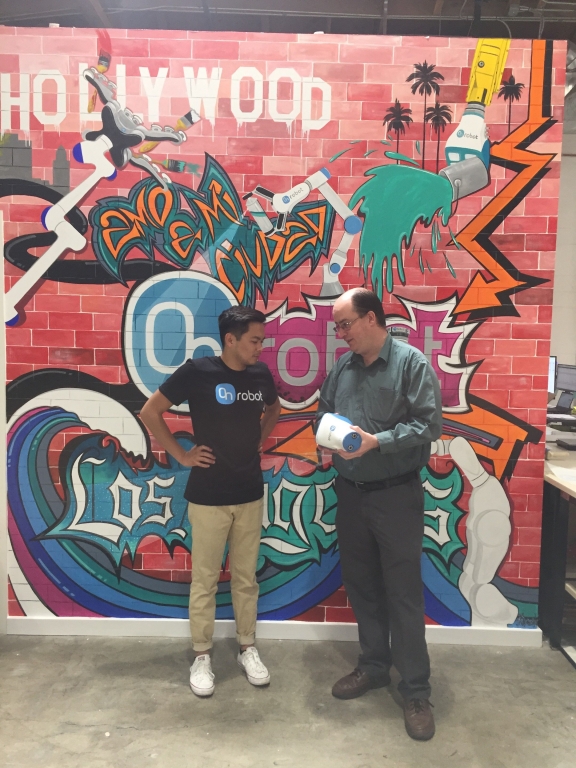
(384, 353)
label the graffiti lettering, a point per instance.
(202, 91)
(180, 223)
(300, 349)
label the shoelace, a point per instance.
(203, 666)
(418, 705)
(253, 658)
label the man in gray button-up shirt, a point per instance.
(391, 394)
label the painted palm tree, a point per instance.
(398, 118)
(425, 83)
(438, 116)
(511, 91)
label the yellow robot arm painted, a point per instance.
(487, 68)
(468, 148)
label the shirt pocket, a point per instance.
(385, 407)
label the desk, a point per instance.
(553, 585)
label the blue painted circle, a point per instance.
(335, 268)
(353, 225)
(286, 199)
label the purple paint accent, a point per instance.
(12, 322)
(449, 382)
(112, 175)
(59, 603)
(43, 216)
(318, 331)
(48, 593)
(25, 416)
(77, 153)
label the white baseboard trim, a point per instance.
(271, 630)
(503, 636)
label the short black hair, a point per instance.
(236, 320)
(364, 301)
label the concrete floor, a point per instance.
(113, 703)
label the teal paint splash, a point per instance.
(436, 236)
(450, 267)
(418, 147)
(393, 200)
(456, 243)
(337, 155)
(400, 156)
(369, 152)
(383, 141)
(420, 262)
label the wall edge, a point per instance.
(267, 630)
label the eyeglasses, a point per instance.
(345, 325)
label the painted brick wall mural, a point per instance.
(151, 179)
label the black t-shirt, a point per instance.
(225, 406)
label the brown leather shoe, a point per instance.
(418, 719)
(357, 683)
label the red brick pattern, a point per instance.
(79, 327)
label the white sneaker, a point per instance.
(251, 663)
(201, 676)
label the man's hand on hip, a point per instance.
(369, 443)
(199, 456)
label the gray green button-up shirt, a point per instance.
(396, 398)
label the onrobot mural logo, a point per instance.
(168, 319)
(98, 523)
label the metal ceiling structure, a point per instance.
(552, 19)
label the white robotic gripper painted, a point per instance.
(488, 531)
(283, 203)
(107, 150)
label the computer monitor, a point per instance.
(566, 383)
(566, 377)
(552, 375)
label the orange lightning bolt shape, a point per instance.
(491, 297)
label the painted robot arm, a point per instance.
(468, 148)
(488, 531)
(54, 220)
(107, 149)
(126, 131)
(284, 202)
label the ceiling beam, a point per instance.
(183, 13)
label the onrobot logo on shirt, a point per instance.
(226, 394)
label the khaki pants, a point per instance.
(212, 527)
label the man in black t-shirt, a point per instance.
(227, 396)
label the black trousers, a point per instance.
(380, 539)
